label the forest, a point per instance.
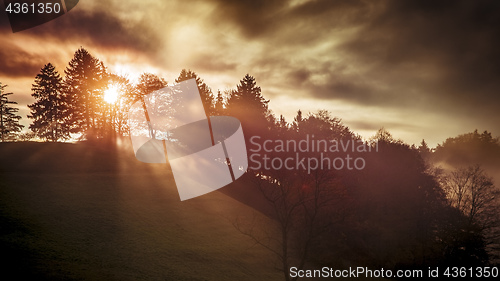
(405, 207)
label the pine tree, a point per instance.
(424, 149)
(50, 111)
(85, 81)
(219, 104)
(248, 96)
(205, 92)
(9, 120)
(297, 121)
(249, 106)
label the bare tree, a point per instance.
(473, 192)
(303, 206)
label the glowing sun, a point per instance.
(111, 94)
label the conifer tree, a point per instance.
(205, 92)
(85, 81)
(9, 120)
(219, 104)
(249, 106)
(50, 111)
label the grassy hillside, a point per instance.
(92, 212)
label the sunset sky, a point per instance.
(421, 69)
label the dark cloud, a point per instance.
(327, 81)
(101, 28)
(16, 62)
(426, 55)
(457, 40)
(253, 17)
(208, 62)
(347, 90)
(438, 56)
(300, 76)
(308, 20)
(430, 56)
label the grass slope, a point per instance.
(92, 212)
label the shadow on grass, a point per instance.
(90, 211)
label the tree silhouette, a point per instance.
(9, 120)
(461, 156)
(297, 120)
(249, 106)
(206, 95)
(219, 106)
(85, 81)
(424, 149)
(469, 148)
(322, 123)
(474, 194)
(50, 111)
(304, 204)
